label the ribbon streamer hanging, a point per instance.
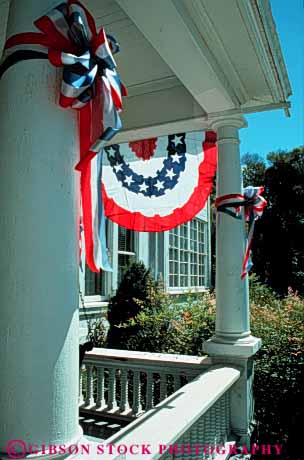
(68, 38)
(254, 204)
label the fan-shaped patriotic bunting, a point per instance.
(160, 193)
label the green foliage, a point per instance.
(97, 332)
(253, 171)
(278, 384)
(278, 256)
(136, 287)
(173, 328)
(262, 295)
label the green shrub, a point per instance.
(137, 290)
(173, 328)
(262, 295)
(278, 385)
(97, 332)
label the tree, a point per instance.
(254, 168)
(278, 255)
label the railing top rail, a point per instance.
(122, 357)
(178, 412)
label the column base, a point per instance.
(241, 348)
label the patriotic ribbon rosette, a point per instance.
(254, 205)
(90, 83)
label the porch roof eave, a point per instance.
(206, 67)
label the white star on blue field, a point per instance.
(165, 178)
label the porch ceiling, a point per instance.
(186, 62)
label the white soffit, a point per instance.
(158, 103)
(226, 53)
(166, 28)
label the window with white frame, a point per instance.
(188, 256)
(126, 250)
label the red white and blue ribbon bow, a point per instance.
(90, 83)
(254, 205)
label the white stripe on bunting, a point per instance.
(95, 220)
(59, 21)
(69, 91)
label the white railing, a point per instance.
(128, 383)
(193, 423)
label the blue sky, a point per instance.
(272, 131)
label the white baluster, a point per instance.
(124, 390)
(200, 433)
(137, 408)
(177, 382)
(89, 399)
(227, 412)
(217, 410)
(223, 418)
(163, 386)
(112, 403)
(212, 421)
(208, 434)
(185, 448)
(80, 396)
(150, 391)
(100, 400)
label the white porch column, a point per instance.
(232, 335)
(39, 356)
(232, 342)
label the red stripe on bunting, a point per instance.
(96, 125)
(138, 222)
(98, 40)
(56, 39)
(81, 165)
(246, 259)
(86, 199)
(97, 108)
(85, 117)
(124, 91)
(228, 197)
(89, 131)
(65, 101)
(27, 38)
(55, 57)
(116, 98)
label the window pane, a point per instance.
(187, 255)
(125, 240)
(126, 250)
(94, 282)
(124, 260)
(193, 281)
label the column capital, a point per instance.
(229, 122)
